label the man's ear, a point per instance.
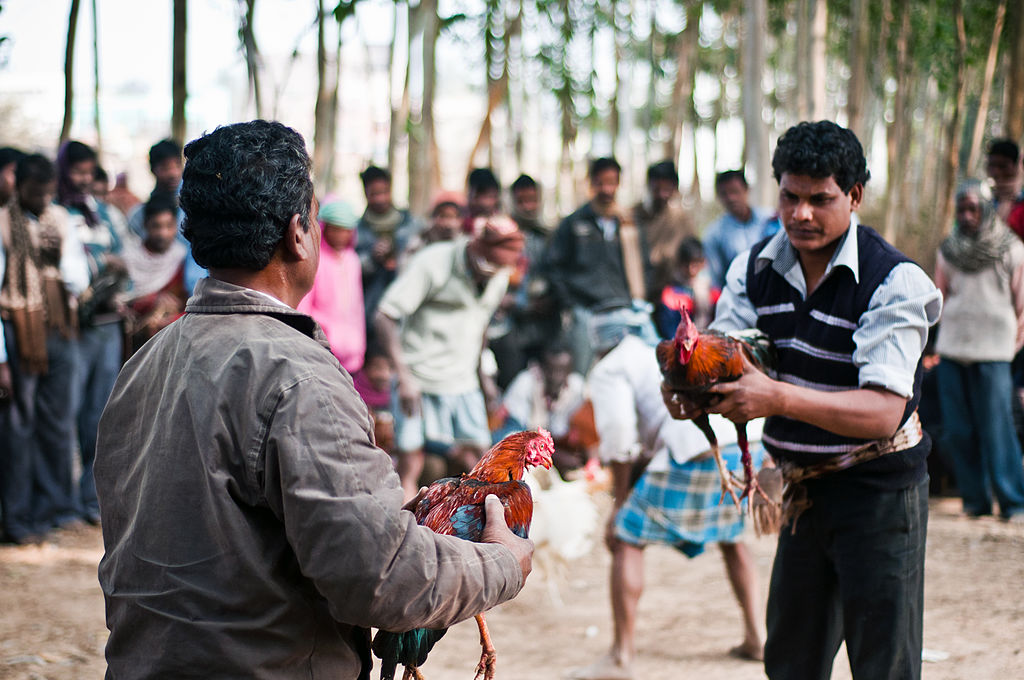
(295, 242)
(856, 195)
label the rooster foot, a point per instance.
(486, 667)
(412, 673)
(752, 486)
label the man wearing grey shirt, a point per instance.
(849, 316)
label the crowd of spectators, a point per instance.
(456, 328)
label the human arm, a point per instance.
(408, 387)
(401, 300)
(735, 311)
(340, 504)
(1017, 292)
(888, 340)
(866, 413)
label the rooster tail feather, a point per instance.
(408, 649)
(759, 347)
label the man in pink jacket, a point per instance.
(336, 301)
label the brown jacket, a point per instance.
(251, 527)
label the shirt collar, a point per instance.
(213, 296)
(782, 256)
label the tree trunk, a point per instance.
(497, 87)
(1013, 113)
(819, 28)
(321, 110)
(253, 61)
(69, 68)
(682, 87)
(974, 153)
(857, 92)
(399, 115)
(332, 115)
(431, 31)
(755, 136)
(897, 134)
(179, 91)
(614, 117)
(952, 160)
(96, 80)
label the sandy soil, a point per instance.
(51, 612)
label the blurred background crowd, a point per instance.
(458, 325)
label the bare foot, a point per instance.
(605, 668)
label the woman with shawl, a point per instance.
(980, 271)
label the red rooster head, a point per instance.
(508, 459)
(686, 338)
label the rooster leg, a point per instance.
(412, 673)
(750, 484)
(488, 657)
(728, 480)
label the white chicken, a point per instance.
(565, 523)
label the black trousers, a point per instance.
(853, 569)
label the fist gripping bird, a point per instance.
(455, 506)
(691, 363)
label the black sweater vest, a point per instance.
(814, 340)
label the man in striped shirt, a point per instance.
(849, 315)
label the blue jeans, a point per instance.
(37, 430)
(853, 568)
(100, 352)
(978, 433)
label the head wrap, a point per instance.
(448, 198)
(496, 230)
(338, 214)
(971, 252)
(608, 329)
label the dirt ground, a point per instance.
(51, 612)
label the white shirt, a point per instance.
(524, 399)
(631, 418)
(889, 336)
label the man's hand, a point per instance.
(754, 395)
(680, 406)
(6, 385)
(411, 504)
(496, 531)
(408, 394)
(382, 249)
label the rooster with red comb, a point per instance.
(455, 506)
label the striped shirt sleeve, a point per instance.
(735, 311)
(891, 334)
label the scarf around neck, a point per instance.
(383, 225)
(974, 252)
(33, 295)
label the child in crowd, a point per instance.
(547, 394)
(156, 266)
(373, 383)
(690, 289)
(336, 301)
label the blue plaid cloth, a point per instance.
(680, 507)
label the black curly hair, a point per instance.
(819, 150)
(241, 185)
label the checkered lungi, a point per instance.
(679, 507)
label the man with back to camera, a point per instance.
(251, 529)
(849, 315)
